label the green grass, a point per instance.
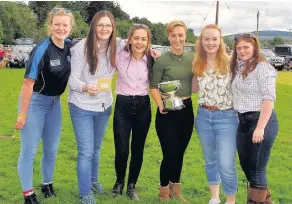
(194, 184)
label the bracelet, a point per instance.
(22, 115)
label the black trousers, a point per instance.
(254, 157)
(132, 113)
(174, 131)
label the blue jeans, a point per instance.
(254, 157)
(43, 122)
(89, 128)
(217, 134)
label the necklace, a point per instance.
(179, 56)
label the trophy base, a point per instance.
(174, 108)
(173, 104)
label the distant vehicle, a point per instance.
(286, 52)
(161, 48)
(189, 48)
(273, 59)
(24, 41)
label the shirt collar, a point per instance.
(127, 56)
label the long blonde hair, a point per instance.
(200, 59)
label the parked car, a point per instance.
(286, 52)
(189, 48)
(161, 48)
(273, 59)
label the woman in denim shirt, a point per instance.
(254, 94)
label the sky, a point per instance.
(234, 16)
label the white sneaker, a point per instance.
(214, 201)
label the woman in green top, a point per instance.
(174, 128)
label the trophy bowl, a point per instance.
(168, 89)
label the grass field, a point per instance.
(194, 185)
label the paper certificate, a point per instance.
(104, 84)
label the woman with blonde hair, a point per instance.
(216, 121)
(174, 128)
(39, 116)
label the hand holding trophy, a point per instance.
(171, 102)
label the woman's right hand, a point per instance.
(161, 110)
(19, 123)
(92, 89)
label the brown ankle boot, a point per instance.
(268, 197)
(175, 192)
(257, 195)
(164, 193)
(171, 190)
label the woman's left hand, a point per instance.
(155, 53)
(258, 135)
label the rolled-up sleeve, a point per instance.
(156, 74)
(78, 62)
(267, 81)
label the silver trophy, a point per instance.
(168, 89)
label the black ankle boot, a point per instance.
(117, 189)
(131, 192)
(48, 190)
(31, 199)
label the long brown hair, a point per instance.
(147, 52)
(200, 59)
(91, 49)
(250, 66)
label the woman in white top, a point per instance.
(216, 122)
(90, 98)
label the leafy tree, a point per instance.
(81, 28)
(76, 6)
(277, 40)
(123, 28)
(16, 17)
(191, 36)
(41, 9)
(159, 35)
(119, 13)
(1, 32)
(94, 6)
(228, 42)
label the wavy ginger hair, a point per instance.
(250, 66)
(200, 59)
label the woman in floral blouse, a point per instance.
(216, 122)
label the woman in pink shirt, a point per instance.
(132, 109)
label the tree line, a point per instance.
(29, 20)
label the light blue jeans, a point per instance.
(89, 128)
(43, 122)
(217, 134)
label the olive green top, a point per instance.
(171, 67)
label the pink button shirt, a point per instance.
(132, 77)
